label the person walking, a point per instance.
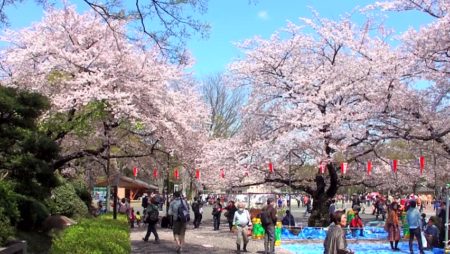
(216, 212)
(151, 218)
(242, 221)
(335, 241)
(307, 202)
(229, 214)
(392, 226)
(413, 218)
(179, 226)
(268, 220)
(196, 207)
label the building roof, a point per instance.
(125, 182)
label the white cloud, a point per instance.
(263, 15)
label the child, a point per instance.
(138, 219)
(356, 224)
(423, 221)
(132, 218)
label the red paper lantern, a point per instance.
(135, 171)
(270, 167)
(222, 173)
(322, 168)
(176, 174)
(394, 165)
(155, 172)
(422, 164)
(369, 167)
(344, 166)
(197, 174)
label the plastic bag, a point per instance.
(424, 239)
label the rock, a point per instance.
(57, 222)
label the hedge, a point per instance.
(95, 236)
(65, 201)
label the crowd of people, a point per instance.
(235, 212)
(389, 209)
(431, 230)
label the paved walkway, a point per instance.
(199, 240)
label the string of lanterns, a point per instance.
(322, 168)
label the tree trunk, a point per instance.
(321, 197)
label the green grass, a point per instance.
(95, 236)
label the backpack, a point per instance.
(265, 217)
(152, 215)
(145, 202)
(123, 208)
(183, 213)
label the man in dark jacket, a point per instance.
(152, 208)
(196, 205)
(269, 237)
(216, 212)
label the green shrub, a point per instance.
(82, 192)
(65, 201)
(9, 213)
(96, 235)
(32, 213)
(6, 230)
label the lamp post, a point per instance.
(290, 181)
(169, 154)
(435, 171)
(166, 184)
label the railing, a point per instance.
(19, 247)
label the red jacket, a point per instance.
(356, 222)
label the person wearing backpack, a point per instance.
(268, 218)
(179, 210)
(151, 218)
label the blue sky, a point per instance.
(235, 20)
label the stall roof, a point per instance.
(125, 182)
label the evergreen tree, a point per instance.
(25, 152)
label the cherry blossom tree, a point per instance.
(314, 98)
(166, 23)
(427, 48)
(76, 60)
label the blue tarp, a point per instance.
(369, 233)
(363, 248)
